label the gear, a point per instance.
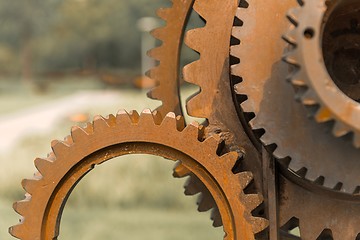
(166, 74)
(263, 82)
(307, 210)
(211, 73)
(281, 122)
(128, 134)
(224, 121)
(327, 78)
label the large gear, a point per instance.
(287, 129)
(325, 39)
(263, 77)
(130, 133)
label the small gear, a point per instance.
(129, 133)
(325, 38)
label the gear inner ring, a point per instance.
(341, 46)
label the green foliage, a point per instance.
(63, 34)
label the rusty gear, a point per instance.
(128, 134)
(327, 78)
(270, 98)
(166, 74)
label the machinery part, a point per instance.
(166, 74)
(280, 122)
(211, 73)
(129, 133)
(219, 17)
(325, 52)
(307, 210)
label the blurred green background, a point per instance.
(61, 63)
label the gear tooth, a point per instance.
(194, 39)
(297, 78)
(248, 106)
(190, 187)
(323, 115)
(195, 129)
(180, 170)
(148, 116)
(309, 232)
(296, 166)
(213, 141)
(293, 15)
(42, 165)
(245, 179)
(100, 123)
(265, 138)
(159, 33)
(309, 98)
(189, 72)
(279, 153)
(252, 201)
(290, 36)
(164, 13)
(58, 147)
(290, 58)
(237, 70)
(205, 202)
(17, 230)
(202, 8)
(111, 120)
(169, 121)
(216, 217)
(22, 206)
(29, 185)
(154, 73)
(156, 53)
(79, 134)
(259, 224)
(123, 117)
(195, 106)
(229, 159)
(340, 129)
(180, 123)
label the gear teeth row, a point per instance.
(308, 96)
(101, 127)
(206, 72)
(167, 72)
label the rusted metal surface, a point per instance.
(125, 133)
(166, 74)
(308, 177)
(321, 80)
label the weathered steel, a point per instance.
(107, 138)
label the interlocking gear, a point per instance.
(129, 133)
(325, 39)
(309, 178)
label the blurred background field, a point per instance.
(61, 63)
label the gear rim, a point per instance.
(242, 224)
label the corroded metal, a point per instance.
(114, 136)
